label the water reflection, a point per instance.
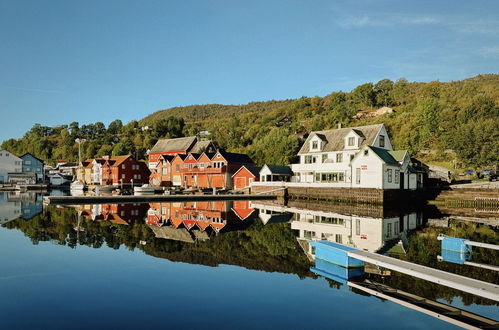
(259, 236)
(14, 205)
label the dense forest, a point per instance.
(436, 121)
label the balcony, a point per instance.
(207, 170)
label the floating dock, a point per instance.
(78, 200)
(349, 257)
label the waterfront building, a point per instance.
(245, 176)
(272, 173)
(9, 163)
(215, 173)
(32, 164)
(354, 157)
(125, 170)
(179, 146)
(161, 171)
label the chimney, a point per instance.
(339, 125)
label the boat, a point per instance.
(146, 189)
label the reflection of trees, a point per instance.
(269, 248)
(424, 248)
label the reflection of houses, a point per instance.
(15, 204)
(9, 210)
(115, 213)
(190, 221)
(364, 233)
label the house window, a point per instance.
(397, 176)
(390, 174)
(164, 170)
(315, 145)
(357, 175)
(339, 158)
(177, 167)
(330, 177)
(388, 230)
(382, 141)
(28, 162)
(351, 141)
(357, 227)
(123, 166)
(324, 158)
(123, 176)
(366, 152)
(309, 159)
(163, 209)
(338, 238)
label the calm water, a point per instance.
(217, 265)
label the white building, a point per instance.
(354, 157)
(9, 163)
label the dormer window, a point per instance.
(382, 141)
(351, 141)
(315, 145)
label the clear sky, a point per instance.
(88, 61)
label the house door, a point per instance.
(402, 176)
(357, 175)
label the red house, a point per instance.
(124, 170)
(179, 146)
(245, 176)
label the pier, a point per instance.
(78, 200)
(349, 257)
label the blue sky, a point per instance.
(87, 61)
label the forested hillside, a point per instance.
(438, 120)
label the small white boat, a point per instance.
(146, 189)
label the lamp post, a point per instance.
(79, 141)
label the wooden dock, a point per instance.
(476, 287)
(78, 200)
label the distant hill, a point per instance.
(452, 122)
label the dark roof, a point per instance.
(385, 155)
(335, 138)
(168, 158)
(280, 169)
(171, 145)
(255, 170)
(236, 158)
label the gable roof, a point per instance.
(255, 170)
(385, 155)
(117, 160)
(398, 154)
(171, 145)
(201, 146)
(38, 159)
(279, 169)
(335, 138)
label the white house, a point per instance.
(9, 163)
(354, 157)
